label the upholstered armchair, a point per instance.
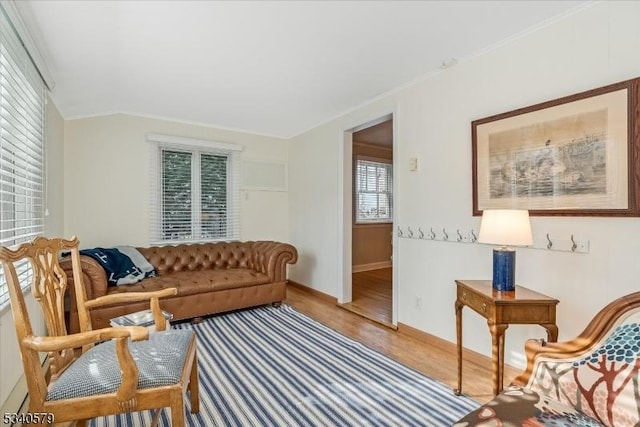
(591, 380)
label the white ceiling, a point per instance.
(268, 67)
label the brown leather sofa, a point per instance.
(210, 278)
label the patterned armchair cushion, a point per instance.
(517, 406)
(603, 383)
(160, 361)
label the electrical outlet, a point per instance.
(418, 303)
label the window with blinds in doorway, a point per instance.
(373, 191)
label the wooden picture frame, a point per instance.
(577, 155)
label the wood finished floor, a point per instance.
(371, 295)
(434, 361)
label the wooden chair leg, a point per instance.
(177, 412)
(194, 388)
(156, 416)
(81, 423)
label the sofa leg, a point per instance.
(276, 304)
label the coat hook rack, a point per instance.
(543, 241)
(569, 244)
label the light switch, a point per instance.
(413, 164)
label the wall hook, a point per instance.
(459, 239)
(399, 231)
(550, 244)
(420, 233)
(446, 236)
(473, 236)
(574, 246)
(432, 235)
(410, 232)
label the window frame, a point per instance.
(197, 147)
(389, 166)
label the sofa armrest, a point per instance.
(271, 258)
(536, 349)
(93, 276)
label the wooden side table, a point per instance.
(522, 306)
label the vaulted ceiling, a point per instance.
(268, 67)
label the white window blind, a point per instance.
(195, 190)
(373, 191)
(22, 124)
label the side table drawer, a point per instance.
(476, 302)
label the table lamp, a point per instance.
(505, 227)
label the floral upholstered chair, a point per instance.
(592, 380)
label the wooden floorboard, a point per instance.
(371, 295)
(436, 361)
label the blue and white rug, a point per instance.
(277, 367)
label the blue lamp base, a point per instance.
(504, 270)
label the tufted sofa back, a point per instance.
(202, 256)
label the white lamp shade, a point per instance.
(505, 227)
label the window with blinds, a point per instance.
(22, 125)
(195, 190)
(373, 191)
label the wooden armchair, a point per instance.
(94, 372)
(591, 380)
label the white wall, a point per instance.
(54, 218)
(10, 363)
(596, 46)
(107, 185)
(98, 190)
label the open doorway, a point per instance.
(372, 221)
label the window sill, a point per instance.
(373, 224)
(190, 241)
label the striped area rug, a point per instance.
(277, 367)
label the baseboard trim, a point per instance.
(16, 397)
(467, 355)
(371, 266)
(321, 295)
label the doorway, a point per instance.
(371, 221)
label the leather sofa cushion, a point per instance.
(197, 282)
